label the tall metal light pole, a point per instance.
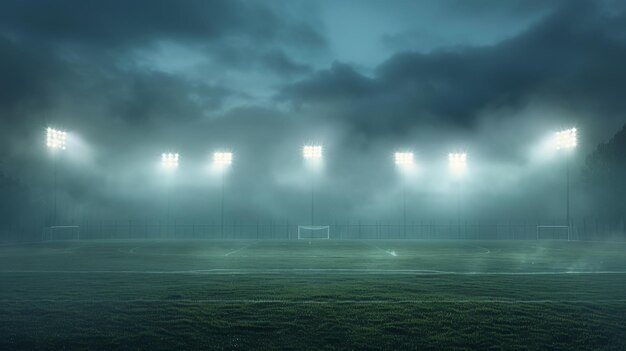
(313, 156)
(566, 140)
(169, 162)
(404, 161)
(55, 141)
(457, 163)
(221, 161)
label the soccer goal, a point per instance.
(553, 232)
(61, 232)
(313, 232)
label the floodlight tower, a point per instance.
(457, 163)
(55, 141)
(405, 163)
(313, 156)
(566, 140)
(169, 163)
(222, 161)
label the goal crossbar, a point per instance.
(323, 232)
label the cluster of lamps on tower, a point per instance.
(56, 139)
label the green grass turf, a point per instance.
(318, 295)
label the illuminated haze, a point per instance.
(129, 81)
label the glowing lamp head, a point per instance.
(55, 139)
(404, 159)
(222, 159)
(457, 162)
(169, 161)
(565, 139)
(312, 152)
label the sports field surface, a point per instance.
(297, 295)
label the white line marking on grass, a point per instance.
(239, 249)
(319, 302)
(389, 252)
(346, 271)
(394, 254)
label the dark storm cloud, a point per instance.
(510, 8)
(339, 83)
(277, 61)
(26, 73)
(154, 97)
(45, 45)
(576, 54)
(269, 60)
(120, 23)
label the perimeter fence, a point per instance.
(584, 229)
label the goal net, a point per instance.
(311, 232)
(61, 232)
(553, 232)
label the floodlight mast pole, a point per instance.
(404, 211)
(221, 162)
(222, 204)
(168, 203)
(404, 162)
(458, 210)
(55, 190)
(312, 156)
(169, 162)
(566, 140)
(567, 196)
(457, 162)
(312, 199)
(55, 142)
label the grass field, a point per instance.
(313, 295)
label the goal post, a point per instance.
(554, 232)
(61, 232)
(313, 232)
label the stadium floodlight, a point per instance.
(405, 162)
(457, 162)
(404, 159)
(222, 159)
(55, 139)
(313, 155)
(565, 139)
(312, 152)
(458, 165)
(169, 160)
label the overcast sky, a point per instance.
(131, 79)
